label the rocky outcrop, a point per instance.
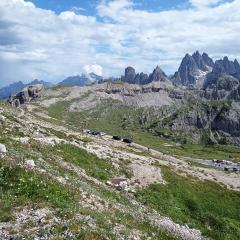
(224, 80)
(227, 67)
(141, 78)
(16, 87)
(27, 94)
(218, 122)
(130, 75)
(193, 70)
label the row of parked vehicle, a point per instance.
(119, 138)
(227, 165)
(115, 137)
(94, 133)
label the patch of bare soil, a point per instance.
(147, 174)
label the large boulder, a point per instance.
(3, 148)
(35, 91)
(2, 118)
(23, 96)
(27, 94)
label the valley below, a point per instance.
(119, 120)
(59, 181)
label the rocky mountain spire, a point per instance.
(193, 69)
(142, 78)
(225, 66)
(157, 75)
(199, 61)
(208, 61)
(130, 75)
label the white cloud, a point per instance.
(78, 9)
(97, 69)
(37, 43)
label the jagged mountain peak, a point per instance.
(193, 69)
(226, 66)
(157, 75)
(197, 54)
(237, 65)
(159, 70)
(208, 60)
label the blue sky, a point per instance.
(58, 6)
(88, 7)
(54, 39)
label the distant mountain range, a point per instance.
(220, 79)
(83, 80)
(14, 88)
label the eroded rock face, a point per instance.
(224, 81)
(27, 94)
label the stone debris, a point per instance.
(30, 163)
(184, 232)
(62, 180)
(24, 140)
(2, 118)
(23, 217)
(120, 183)
(49, 140)
(146, 174)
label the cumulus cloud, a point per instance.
(97, 69)
(38, 43)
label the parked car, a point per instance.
(116, 137)
(127, 140)
(235, 169)
(87, 131)
(96, 133)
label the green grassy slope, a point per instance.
(127, 121)
(203, 205)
